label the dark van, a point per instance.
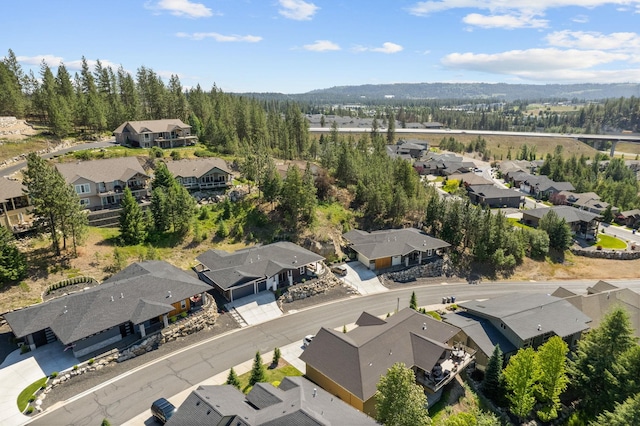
(162, 410)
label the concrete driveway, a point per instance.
(20, 370)
(362, 279)
(256, 308)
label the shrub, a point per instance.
(173, 319)
(24, 349)
(183, 314)
(175, 155)
(32, 398)
(276, 356)
(599, 247)
(91, 361)
(105, 422)
(54, 375)
(29, 410)
(156, 152)
(75, 367)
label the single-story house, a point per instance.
(255, 269)
(516, 178)
(411, 149)
(543, 187)
(201, 173)
(469, 179)
(492, 196)
(630, 218)
(589, 201)
(582, 222)
(394, 247)
(515, 321)
(600, 299)
(443, 165)
(167, 133)
(350, 365)
(296, 401)
(14, 206)
(137, 300)
(100, 183)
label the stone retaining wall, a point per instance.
(428, 270)
(607, 254)
(310, 288)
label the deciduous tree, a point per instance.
(521, 376)
(399, 400)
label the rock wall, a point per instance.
(431, 269)
(310, 288)
(607, 254)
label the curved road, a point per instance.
(128, 395)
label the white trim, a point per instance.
(83, 188)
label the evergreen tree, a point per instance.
(399, 400)
(521, 377)
(13, 264)
(162, 177)
(276, 356)
(258, 373)
(558, 230)
(158, 210)
(391, 129)
(413, 303)
(74, 221)
(493, 385)
(132, 226)
(232, 379)
(624, 414)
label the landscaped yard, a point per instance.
(273, 376)
(28, 393)
(612, 243)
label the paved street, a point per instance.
(620, 232)
(126, 396)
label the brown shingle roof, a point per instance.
(10, 188)
(153, 126)
(104, 170)
(196, 168)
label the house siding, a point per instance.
(333, 388)
(97, 341)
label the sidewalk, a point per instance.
(20, 370)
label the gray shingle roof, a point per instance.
(569, 214)
(154, 126)
(196, 168)
(523, 314)
(490, 191)
(137, 293)
(356, 360)
(481, 331)
(545, 184)
(296, 402)
(10, 188)
(392, 242)
(104, 170)
(231, 269)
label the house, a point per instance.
(492, 196)
(137, 300)
(516, 178)
(255, 269)
(543, 188)
(100, 183)
(410, 149)
(167, 133)
(515, 321)
(443, 165)
(469, 179)
(589, 201)
(295, 401)
(14, 206)
(350, 365)
(600, 299)
(394, 247)
(582, 223)
(630, 218)
(201, 173)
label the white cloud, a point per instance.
(221, 37)
(181, 8)
(386, 47)
(507, 22)
(621, 42)
(321, 46)
(580, 19)
(51, 60)
(429, 7)
(298, 10)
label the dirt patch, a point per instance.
(16, 130)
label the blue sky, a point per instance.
(294, 46)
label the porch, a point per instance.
(445, 369)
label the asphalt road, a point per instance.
(622, 233)
(127, 396)
(90, 145)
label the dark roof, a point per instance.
(470, 179)
(531, 315)
(481, 331)
(231, 269)
(490, 191)
(296, 402)
(357, 359)
(391, 242)
(138, 293)
(545, 184)
(10, 188)
(197, 167)
(103, 170)
(569, 214)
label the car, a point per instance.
(339, 270)
(307, 340)
(162, 410)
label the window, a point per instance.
(84, 202)
(147, 137)
(183, 304)
(83, 188)
(301, 270)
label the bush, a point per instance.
(276, 356)
(91, 361)
(54, 375)
(29, 410)
(24, 349)
(175, 155)
(599, 248)
(203, 153)
(173, 319)
(156, 152)
(75, 367)
(32, 398)
(183, 314)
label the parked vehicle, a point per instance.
(340, 270)
(162, 410)
(307, 340)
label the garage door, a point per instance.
(385, 262)
(262, 285)
(242, 291)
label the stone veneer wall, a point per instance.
(431, 269)
(607, 254)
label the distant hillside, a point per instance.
(498, 91)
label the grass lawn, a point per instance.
(514, 221)
(275, 375)
(25, 395)
(609, 242)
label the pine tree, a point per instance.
(132, 227)
(413, 303)
(493, 385)
(624, 414)
(276, 357)
(258, 373)
(232, 379)
(13, 264)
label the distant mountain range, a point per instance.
(473, 91)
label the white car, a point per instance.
(307, 340)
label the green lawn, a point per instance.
(25, 395)
(609, 242)
(275, 375)
(516, 222)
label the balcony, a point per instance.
(446, 369)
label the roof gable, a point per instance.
(392, 242)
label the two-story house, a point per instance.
(100, 183)
(14, 206)
(167, 133)
(201, 173)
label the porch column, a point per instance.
(143, 332)
(420, 257)
(290, 276)
(165, 320)
(30, 342)
(406, 261)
